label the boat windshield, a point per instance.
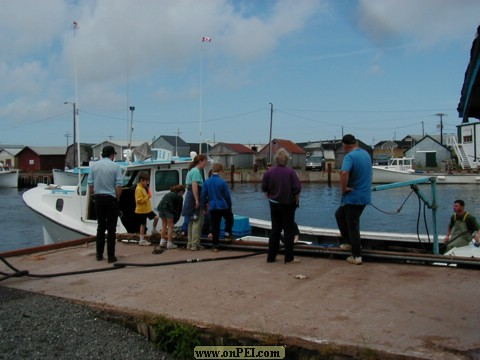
(402, 164)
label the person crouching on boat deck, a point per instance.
(282, 188)
(192, 208)
(461, 227)
(356, 180)
(105, 180)
(216, 195)
(169, 210)
(143, 208)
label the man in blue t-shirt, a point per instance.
(356, 180)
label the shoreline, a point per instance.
(250, 176)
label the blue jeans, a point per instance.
(348, 221)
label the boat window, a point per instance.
(164, 179)
(184, 175)
(126, 178)
(129, 178)
(59, 205)
(84, 184)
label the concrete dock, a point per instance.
(387, 310)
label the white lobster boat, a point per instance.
(67, 211)
(8, 177)
(401, 169)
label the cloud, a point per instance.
(120, 41)
(427, 23)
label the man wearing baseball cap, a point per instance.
(105, 180)
(356, 180)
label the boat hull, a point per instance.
(61, 210)
(386, 176)
(9, 179)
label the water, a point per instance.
(318, 204)
(21, 228)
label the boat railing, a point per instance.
(431, 204)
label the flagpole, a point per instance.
(204, 39)
(201, 98)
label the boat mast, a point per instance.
(76, 133)
(75, 117)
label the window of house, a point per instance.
(467, 139)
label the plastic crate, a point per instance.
(241, 226)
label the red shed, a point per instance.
(38, 158)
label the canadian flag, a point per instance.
(206, 39)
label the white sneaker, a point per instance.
(294, 261)
(163, 243)
(171, 245)
(355, 260)
(144, 243)
(346, 247)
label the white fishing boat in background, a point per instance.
(8, 177)
(70, 176)
(401, 169)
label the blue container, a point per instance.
(241, 226)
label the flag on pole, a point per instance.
(75, 25)
(206, 39)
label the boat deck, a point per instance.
(397, 310)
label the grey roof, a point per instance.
(172, 139)
(48, 150)
(11, 151)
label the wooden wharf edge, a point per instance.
(387, 309)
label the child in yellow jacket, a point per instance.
(143, 207)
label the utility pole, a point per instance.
(67, 135)
(176, 142)
(423, 131)
(270, 138)
(441, 115)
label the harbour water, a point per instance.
(21, 228)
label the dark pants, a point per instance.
(215, 221)
(283, 218)
(348, 221)
(107, 216)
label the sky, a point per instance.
(378, 69)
